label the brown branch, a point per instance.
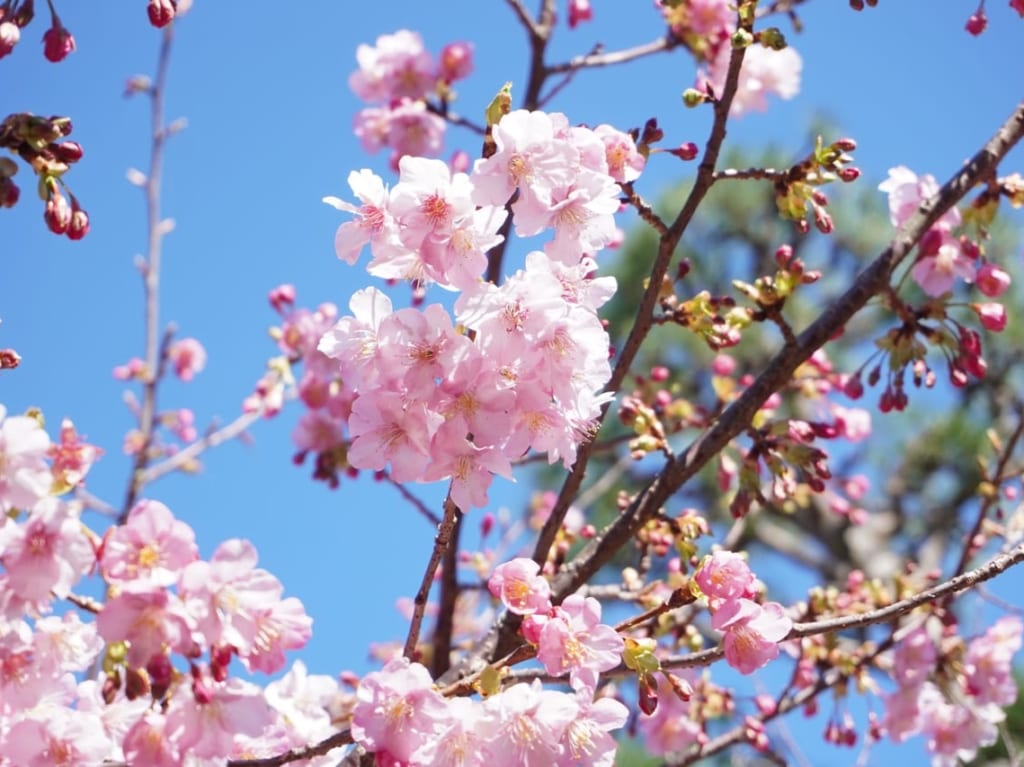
(441, 543)
(611, 58)
(446, 604)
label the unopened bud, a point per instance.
(456, 61)
(977, 22)
(772, 38)
(9, 359)
(68, 152)
(687, 151)
(9, 193)
(161, 12)
(693, 97)
(79, 225)
(57, 213)
(57, 43)
(845, 145)
(849, 174)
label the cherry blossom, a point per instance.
(25, 476)
(575, 640)
(520, 587)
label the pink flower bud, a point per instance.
(68, 152)
(57, 213)
(992, 315)
(79, 226)
(977, 22)
(1018, 6)
(686, 151)
(282, 297)
(161, 12)
(845, 145)
(579, 10)
(849, 174)
(9, 37)
(992, 281)
(57, 43)
(9, 359)
(456, 61)
(460, 162)
(9, 193)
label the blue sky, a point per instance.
(269, 133)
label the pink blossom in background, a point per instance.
(188, 358)
(588, 741)
(397, 67)
(25, 476)
(72, 457)
(765, 71)
(520, 587)
(937, 272)
(672, 727)
(914, 657)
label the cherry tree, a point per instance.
(686, 416)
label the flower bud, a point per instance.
(10, 34)
(456, 61)
(977, 22)
(9, 193)
(9, 359)
(693, 97)
(161, 12)
(57, 42)
(79, 226)
(992, 281)
(992, 315)
(849, 174)
(579, 10)
(57, 213)
(686, 151)
(68, 152)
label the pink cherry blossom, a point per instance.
(914, 657)
(520, 587)
(208, 729)
(752, 632)
(151, 546)
(936, 273)
(531, 723)
(576, 641)
(470, 467)
(992, 315)
(397, 710)
(725, 576)
(149, 743)
(765, 71)
(236, 604)
(25, 476)
(374, 223)
(72, 457)
(150, 619)
(56, 735)
(386, 428)
(397, 67)
(625, 163)
(907, 191)
(988, 664)
(587, 740)
(48, 552)
(188, 358)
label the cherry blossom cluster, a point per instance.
(707, 28)
(397, 76)
(401, 718)
(952, 694)
(751, 630)
(156, 703)
(521, 364)
(37, 141)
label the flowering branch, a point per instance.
(737, 416)
(155, 355)
(198, 447)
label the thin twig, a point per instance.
(441, 543)
(151, 277)
(194, 449)
(611, 58)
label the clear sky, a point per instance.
(264, 89)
